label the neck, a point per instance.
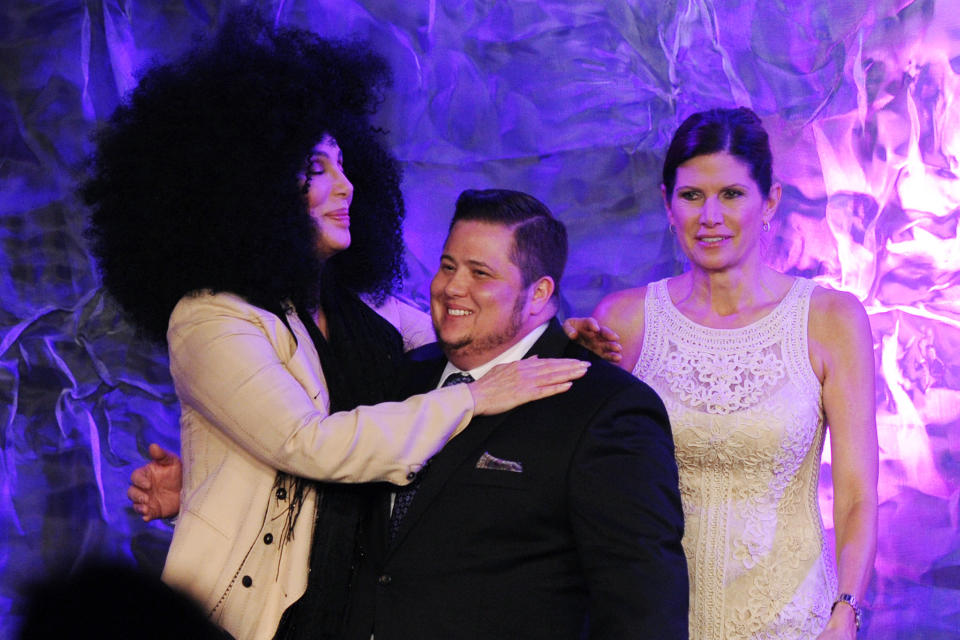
(727, 293)
(468, 359)
(465, 362)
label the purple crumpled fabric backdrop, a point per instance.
(573, 102)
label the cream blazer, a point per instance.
(254, 401)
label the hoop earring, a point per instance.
(672, 229)
(766, 226)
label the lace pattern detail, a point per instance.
(747, 418)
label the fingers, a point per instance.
(536, 373)
(160, 455)
(546, 391)
(550, 370)
(609, 335)
(573, 327)
(135, 495)
(147, 510)
(140, 479)
(550, 375)
(140, 504)
(545, 365)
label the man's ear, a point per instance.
(541, 292)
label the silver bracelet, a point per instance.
(847, 598)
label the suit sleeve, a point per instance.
(226, 367)
(628, 521)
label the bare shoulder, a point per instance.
(836, 315)
(621, 308)
(839, 332)
(623, 312)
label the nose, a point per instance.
(711, 213)
(455, 286)
(342, 185)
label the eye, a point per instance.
(316, 167)
(690, 195)
(448, 268)
(480, 273)
(732, 193)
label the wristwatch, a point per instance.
(847, 598)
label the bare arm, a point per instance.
(842, 355)
(621, 314)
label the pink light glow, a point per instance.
(890, 179)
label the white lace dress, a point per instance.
(747, 418)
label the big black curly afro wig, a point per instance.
(195, 183)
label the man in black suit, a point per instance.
(560, 519)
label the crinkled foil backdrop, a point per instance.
(573, 102)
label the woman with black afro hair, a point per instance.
(224, 223)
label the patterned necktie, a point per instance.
(404, 495)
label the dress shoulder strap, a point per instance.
(654, 330)
(796, 329)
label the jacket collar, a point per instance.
(551, 344)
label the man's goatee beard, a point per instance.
(469, 346)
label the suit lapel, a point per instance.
(550, 345)
(442, 466)
(420, 371)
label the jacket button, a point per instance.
(384, 580)
(267, 539)
(281, 494)
(247, 581)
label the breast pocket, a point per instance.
(497, 478)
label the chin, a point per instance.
(452, 345)
(330, 249)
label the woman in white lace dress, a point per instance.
(753, 365)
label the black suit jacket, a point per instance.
(583, 542)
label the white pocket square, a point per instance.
(494, 463)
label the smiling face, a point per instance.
(329, 194)
(719, 211)
(478, 303)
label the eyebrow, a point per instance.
(319, 153)
(471, 261)
(726, 186)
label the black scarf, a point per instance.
(359, 362)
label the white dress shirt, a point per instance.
(514, 353)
